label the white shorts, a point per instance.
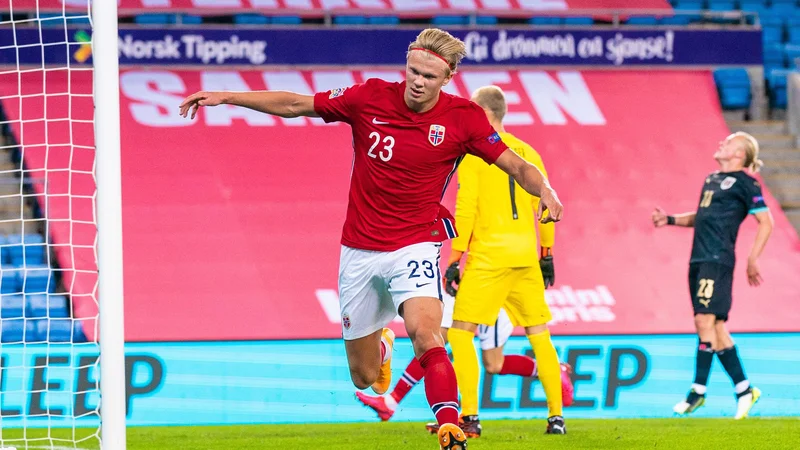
(491, 336)
(373, 285)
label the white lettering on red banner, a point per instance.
(533, 96)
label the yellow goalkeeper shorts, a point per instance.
(518, 290)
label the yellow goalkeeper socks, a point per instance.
(549, 370)
(465, 363)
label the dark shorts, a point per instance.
(710, 285)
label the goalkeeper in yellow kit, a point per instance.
(496, 222)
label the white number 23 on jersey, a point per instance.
(385, 154)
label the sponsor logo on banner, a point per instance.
(193, 48)
(436, 134)
(83, 52)
(616, 49)
(567, 305)
(727, 183)
(570, 305)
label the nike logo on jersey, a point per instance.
(422, 284)
(378, 122)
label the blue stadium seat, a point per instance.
(793, 33)
(25, 250)
(54, 330)
(12, 330)
(784, 6)
(719, 6)
(486, 20)
(191, 19)
(642, 20)
(545, 21)
(772, 29)
(77, 331)
(250, 19)
(776, 82)
(774, 56)
(154, 19)
(383, 20)
(450, 20)
(33, 252)
(36, 306)
(57, 306)
(9, 281)
(42, 306)
(792, 55)
(733, 86)
(12, 307)
(690, 5)
(755, 6)
(287, 20)
(36, 279)
(722, 5)
(17, 330)
(675, 20)
(57, 19)
(350, 20)
(578, 20)
(693, 5)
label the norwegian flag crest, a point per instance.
(436, 134)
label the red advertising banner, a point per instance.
(232, 221)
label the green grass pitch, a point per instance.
(684, 433)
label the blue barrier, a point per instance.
(308, 381)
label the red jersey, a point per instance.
(403, 161)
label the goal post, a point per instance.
(62, 363)
(109, 223)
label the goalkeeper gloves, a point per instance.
(548, 270)
(452, 276)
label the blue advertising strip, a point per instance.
(308, 381)
(259, 47)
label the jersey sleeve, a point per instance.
(466, 202)
(482, 140)
(340, 104)
(754, 198)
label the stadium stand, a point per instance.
(31, 308)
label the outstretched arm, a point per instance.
(533, 181)
(277, 103)
(660, 218)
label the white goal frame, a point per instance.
(109, 224)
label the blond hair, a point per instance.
(750, 145)
(493, 99)
(443, 44)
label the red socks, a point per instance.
(518, 365)
(413, 374)
(440, 385)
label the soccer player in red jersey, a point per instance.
(408, 139)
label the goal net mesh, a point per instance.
(49, 355)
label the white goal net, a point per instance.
(49, 351)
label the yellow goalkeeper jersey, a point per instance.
(495, 217)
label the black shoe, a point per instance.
(555, 425)
(471, 426)
(692, 402)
